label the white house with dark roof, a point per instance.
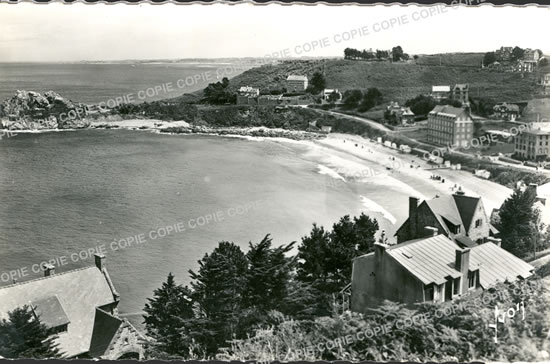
(296, 83)
(431, 269)
(80, 307)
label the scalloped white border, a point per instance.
(239, 2)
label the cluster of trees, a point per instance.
(397, 54)
(516, 55)
(218, 93)
(520, 224)
(233, 292)
(362, 101)
(422, 104)
(22, 335)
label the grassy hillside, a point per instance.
(451, 59)
(398, 81)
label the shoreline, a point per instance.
(184, 128)
(374, 153)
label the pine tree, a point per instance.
(24, 336)
(325, 258)
(218, 292)
(268, 274)
(517, 219)
(164, 317)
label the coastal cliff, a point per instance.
(29, 110)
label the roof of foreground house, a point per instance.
(69, 297)
(498, 265)
(427, 259)
(432, 260)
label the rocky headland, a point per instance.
(29, 110)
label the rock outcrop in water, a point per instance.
(29, 110)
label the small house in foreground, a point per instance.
(80, 307)
(432, 269)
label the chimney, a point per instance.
(462, 264)
(99, 261)
(431, 231)
(532, 187)
(413, 217)
(49, 270)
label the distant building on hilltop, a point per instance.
(459, 217)
(449, 125)
(532, 55)
(296, 84)
(80, 307)
(504, 54)
(461, 93)
(532, 143)
(441, 92)
(430, 269)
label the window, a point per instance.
(478, 223)
(456, 286)
(471, 279)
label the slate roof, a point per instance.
(457, 209)
(50, 312)
(447, 110)
(78, 292)
(430, 260)
(498, 265)
(466, 206)
(105, 328)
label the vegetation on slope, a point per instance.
(401, 80)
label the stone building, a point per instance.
(450, 126)
(533, 143)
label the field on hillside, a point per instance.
(396, 81)
(451, 59)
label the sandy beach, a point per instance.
(493, 194)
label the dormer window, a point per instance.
(51, 313)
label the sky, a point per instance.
(76, 32)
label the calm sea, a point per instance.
(94, 83)
(66, 193)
